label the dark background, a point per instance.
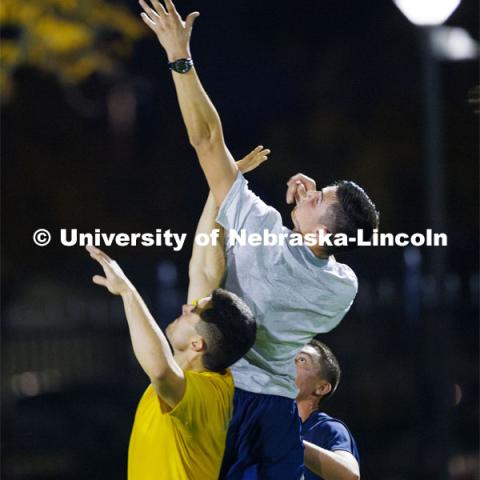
(335, 90)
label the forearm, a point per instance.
(205, 133)
(330, 465)
(199, 114)
(150, 345)
(207, 264)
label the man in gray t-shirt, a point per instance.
(295, 291)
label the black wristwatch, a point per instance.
(182, 65)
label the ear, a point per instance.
(323, 389)
(322, 229)
(198, 344)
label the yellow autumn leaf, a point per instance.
(9, 52)
(62, 36)
(83, 67)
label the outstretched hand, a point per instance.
(251, 161)
(114, 280)
(172, 32)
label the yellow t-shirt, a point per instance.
(188, 441)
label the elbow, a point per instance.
(199, 142)
(353, 476)
(205, 141)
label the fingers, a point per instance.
(149, 12)
(101, 257)
(308, 182)
(292, 190)
(147, 20)
(251, 161)
(262, 156)
(258, 154)
(99, 280)
(300, 193)
(293, 184)
(191, 17)
(260, 151)
(160, 9)
(171, 7)
(96, 252)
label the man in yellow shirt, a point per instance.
(182, 420)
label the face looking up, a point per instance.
(182, 332)
(309, 381)
(312, 210)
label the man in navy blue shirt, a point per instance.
(330, 450)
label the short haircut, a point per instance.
(352, 211)
(228, 328)
(329, 367)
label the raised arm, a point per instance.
(150, 345)
(207, 264)
(337, 465)
(200, 116)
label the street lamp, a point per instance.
(432, 351)
(427, 12)
(428, 15)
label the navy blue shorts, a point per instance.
(265, 432)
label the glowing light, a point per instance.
(26, 384)
(427, 12)
(457, 394)
(453, 43)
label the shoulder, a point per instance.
(336, 427)
(343, 277)
(326, 429)
(207, 391)
(341, 270)
(209, 386)
(241, 203)
(238, 191)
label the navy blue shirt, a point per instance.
(328, 433)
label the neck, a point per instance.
(306, 407)
(188, 361)
(318, 251)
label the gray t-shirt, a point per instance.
(293, 294)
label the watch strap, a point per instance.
(182, 65)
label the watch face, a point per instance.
(182, 65)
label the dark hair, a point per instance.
(228, 327)
(352, 211)
(329, 366)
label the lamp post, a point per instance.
(428, 15)
(432, 355)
